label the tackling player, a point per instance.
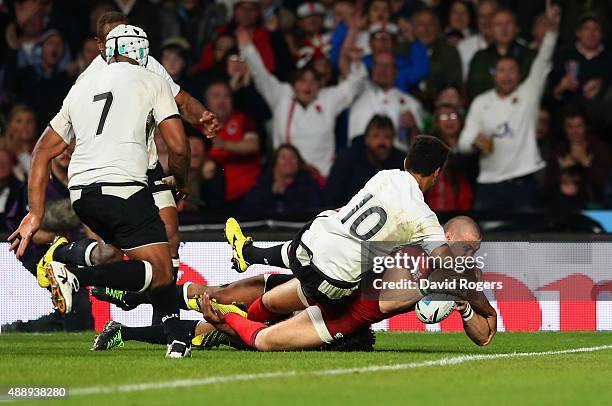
(109, 116)
(329, 321)
(326, 255)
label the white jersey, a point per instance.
(154, 66)
(111, 115)
(389, 208)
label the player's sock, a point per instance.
(259, 312)
(75, 253)
(156, 317)
(126, 275)
(245, 328)
(181, 296)
(166, 306)
(266, 256)
(154, 334)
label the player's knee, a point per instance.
(265, 341)
(273, 305)
(105, 254)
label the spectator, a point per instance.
(381, 97)
(452, 191)
(206, 181)
(287, 186)
(312, 40)
(469, 46)
(303, 114)
(444, 60)
(194, 20)
(174, 60)
(378, 11)
(505, 31)
(89, 52)
(20, 138)
(271, 46)
(581, 73)
(543, 133)
(410, 69)
(146, 15)
(501, 124)
(44, 88)
(583, 149)
(367, 155)
(573, 193)
(461, 18)
(236, 147)
(9, 185)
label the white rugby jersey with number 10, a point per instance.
(112, 114)
(389, 208)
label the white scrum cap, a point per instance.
(128, 41)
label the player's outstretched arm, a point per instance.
(196, 114)
(48, 147)
(479, 319)
(173, 134)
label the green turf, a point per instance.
(65, 359)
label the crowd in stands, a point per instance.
(314, 98)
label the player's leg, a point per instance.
(277, 303)
(297, 332)
(245, 254)
(116, 334)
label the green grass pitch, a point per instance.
(225, 376)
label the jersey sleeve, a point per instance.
(164, 105)
(62, 124)
(429, 234)
(154, 66)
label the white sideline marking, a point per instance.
(183, 383)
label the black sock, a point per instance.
(156, 318)
(125, 275)
(165, 305)
(135, 299)
(155, 334)
(74, 253)
(266, 256)
(152, 334)
(180, 299)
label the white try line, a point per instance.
(183, 383)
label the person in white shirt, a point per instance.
(380, 96)
(469, 46)
(501, 124)
(303, 114)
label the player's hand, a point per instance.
(243, 37)
(211, 315)
(181, 193)
(20, 239)
(461, 305)
(211, 124)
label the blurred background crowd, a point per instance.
(315, 97)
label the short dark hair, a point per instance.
(110, 17)
(379, 121)
(299, 74)
(573, 111)
(426, 155)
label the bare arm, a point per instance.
(173, 134)
(246, 146)
(196, 114)
(482, 325)
(48, 147)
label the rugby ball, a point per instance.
(431, 310)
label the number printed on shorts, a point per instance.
(108, 100)
(382, 218)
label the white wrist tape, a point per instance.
(467, 313)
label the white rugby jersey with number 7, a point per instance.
(389, 208)
(112, 114)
